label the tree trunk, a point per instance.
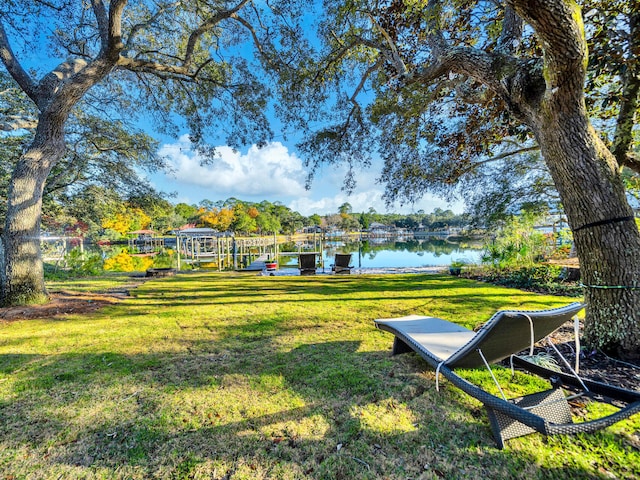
(55, 95)
(605, 234)
(22, 275)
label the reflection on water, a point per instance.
(367, 253)
(398, 253)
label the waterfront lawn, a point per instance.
(241, 376)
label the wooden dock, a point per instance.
(204, 247)
(258, 264)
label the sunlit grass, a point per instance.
(236, 376)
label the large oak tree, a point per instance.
(498, 182)
(517, 69)
(120, 59)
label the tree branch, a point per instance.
(471, 62)
(487, 68)
(61, 88)
(14, 68)
(512, 28)
(393, 56)
(100, 12)
(363, 80)
(144, 53)
(140, 26)
(558, 24)
(54, 183)
(10, 123)
(496, 158)
(159, 69)
(337, 55)
(252, 31)
(512, 153)
(114, 45)
(631, 160)
(206, 26)
(630, 99)
(435, 38)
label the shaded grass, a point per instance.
(236, 376)
(107, 282)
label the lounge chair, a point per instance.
(307, 263)
(447, 346)
(341, 264)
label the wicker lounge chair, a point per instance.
(307, 263)
(447, 346)
(341, 264)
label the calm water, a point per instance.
(372, 253)
(398, 253)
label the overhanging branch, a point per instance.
(363, 80)
(114, 45)
(207, 25)
(558, 24)
(467, 61)
(252, 31)
(10, 123)
(160, 69)
(14, 68)
(632, 161)
(512, 28)
(102, 19)
(141, 26)
(392, 54)
(496, 158)
(629, 100)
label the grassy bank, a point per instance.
(247, 377)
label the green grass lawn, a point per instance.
(232, 376)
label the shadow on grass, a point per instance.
(245, 377)
(462, 297)
(319, 410)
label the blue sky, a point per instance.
(275, 173)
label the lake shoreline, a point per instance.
(362, 271)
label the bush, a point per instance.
(516, 245)
(83, 264)
(540, 278)
(122, 262)
(93, 265)
(164, 259)
(513, 258)
(142, 264)
(535, 276)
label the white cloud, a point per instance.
(363, 201)
(266, 171)
(274, 173)
(367, 194)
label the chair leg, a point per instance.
(400, 347)
(551, 405)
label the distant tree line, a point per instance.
(439, 219)
(99, 213)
